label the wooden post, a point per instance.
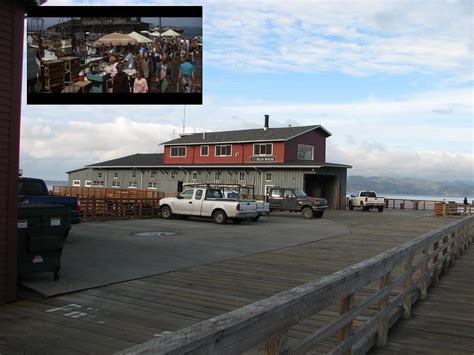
(406, 305)
(424, 283)
(382, 329)
(345, 305)
(435, 260)
(277, 343)
(444, 268)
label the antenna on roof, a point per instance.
(184, 118)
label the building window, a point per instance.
(97, 183)
(224, 150)
(178, 152)
(268, 177)
(134, 173)
(217, 175)
(242, 176)
(76, 182)
(152, 185)
(305, 152)
(153, 175)
(88, 183)
(132, 184)
(204, 150)
(99, 175)
(173, 175)
(115, 183)
(263, 149)
(115, 175)
(195, 176)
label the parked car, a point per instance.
(366, 200)
(296, 200)
(208, 201)
(35, 191)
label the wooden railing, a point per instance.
(118, 208)
(410, 204)
(453, 209)
(369, 297)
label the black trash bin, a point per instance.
(41, 230)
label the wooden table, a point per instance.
(78, 86)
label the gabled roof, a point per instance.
(282, 134)
(134, 160)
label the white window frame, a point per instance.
(223, 145)
(116, 184)
(88, 183)
(200, 151)
(116, 175)
(172, 175)
(194, 176)
(76, 183)
(132, 184)
(217, 175)
(305, 145)
(99, 175)
(266, 176)
(154, 185)
(134, 173)
(242, 174)
(177, 150)
(259, 150)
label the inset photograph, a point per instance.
(115, 55)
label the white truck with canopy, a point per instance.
(207, 200)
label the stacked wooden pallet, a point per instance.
(53, 75)
(72, 68)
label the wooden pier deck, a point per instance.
(442, 324)
(112, 318)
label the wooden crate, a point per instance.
(53, 75)
(72, 67)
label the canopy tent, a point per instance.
(170, 33)
(140, 38)
(154, 34)
(115, 39)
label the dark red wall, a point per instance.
(314, 138)
(241, 154)
(11, 57)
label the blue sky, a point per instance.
(391, 80)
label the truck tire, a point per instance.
(255, 219)
(380, 209)
(307, 212)
(166, 212)
(362, 207)
(318, 214)
(219, 217)
(351, 207)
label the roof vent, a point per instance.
(267, 119)
(185, 134)
(204, 135)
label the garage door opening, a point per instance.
(325, 186)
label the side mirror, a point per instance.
(179, 197)
(352, 195)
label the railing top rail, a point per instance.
(247, 326)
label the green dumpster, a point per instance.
(40, 236)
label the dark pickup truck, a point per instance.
(296, 200)
(34, 191)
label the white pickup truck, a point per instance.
(208, 201)
(263, 208)
(366, 200)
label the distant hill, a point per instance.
(408, 186)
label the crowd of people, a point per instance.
(164, 64)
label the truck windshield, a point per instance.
(32, 187)
(300, 193)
